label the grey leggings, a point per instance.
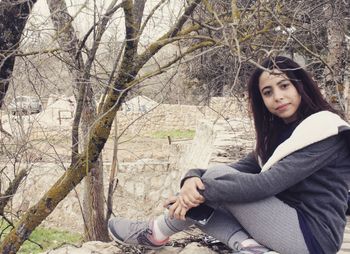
(270, 222)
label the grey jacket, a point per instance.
(313, 178)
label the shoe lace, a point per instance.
(144, 237)
(136, 228)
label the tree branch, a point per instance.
(150, 15)
(167, 37)
(12, 189)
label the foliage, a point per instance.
(47, 238)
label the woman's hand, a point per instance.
(187, 198)
(176, 210)
(189, 195)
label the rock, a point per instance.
(93, 247)
(195, 248)
(96, 247)
(165, 250)
(101, 247)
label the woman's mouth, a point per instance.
(282, 107)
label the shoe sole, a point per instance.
(111, 235)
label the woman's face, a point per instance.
(279, 94)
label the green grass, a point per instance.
(48, 239)
(174, 134)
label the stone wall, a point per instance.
(144, 186)
(163, 117)
(172, 117)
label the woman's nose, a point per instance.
(278, 96)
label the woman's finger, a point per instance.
(194, 197)
(193, 200)
(200, 184)
(182, 202)
(177, 212)
(171, 200)
(198, 198)
(171, 212)
(172, 209)
(183, 213)
(188, 203)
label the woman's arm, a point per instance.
(248, 165)
(244, 187)
(192, 186)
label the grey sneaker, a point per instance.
(129, 232)
(252, 249)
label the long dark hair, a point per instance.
(267, 126)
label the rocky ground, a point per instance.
(181, 244)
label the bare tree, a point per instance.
(312, 30)
(93, 205)
(11, 33)
(125, 78)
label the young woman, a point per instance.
(289, 195)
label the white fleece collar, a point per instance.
(312, 129)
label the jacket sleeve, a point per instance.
(196, 172)
(248, 165)
(246, 187)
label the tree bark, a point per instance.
(93, 203)
(112, 184)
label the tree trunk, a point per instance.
(13, 17)
(336, 58)
(93, 203)
(68, 42)
(112, 184)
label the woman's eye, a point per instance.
(284, 85)
(267, 93)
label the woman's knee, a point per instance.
(217, 171)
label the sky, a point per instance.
(40, 26)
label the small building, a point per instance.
(59, 111)
(139, 104)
